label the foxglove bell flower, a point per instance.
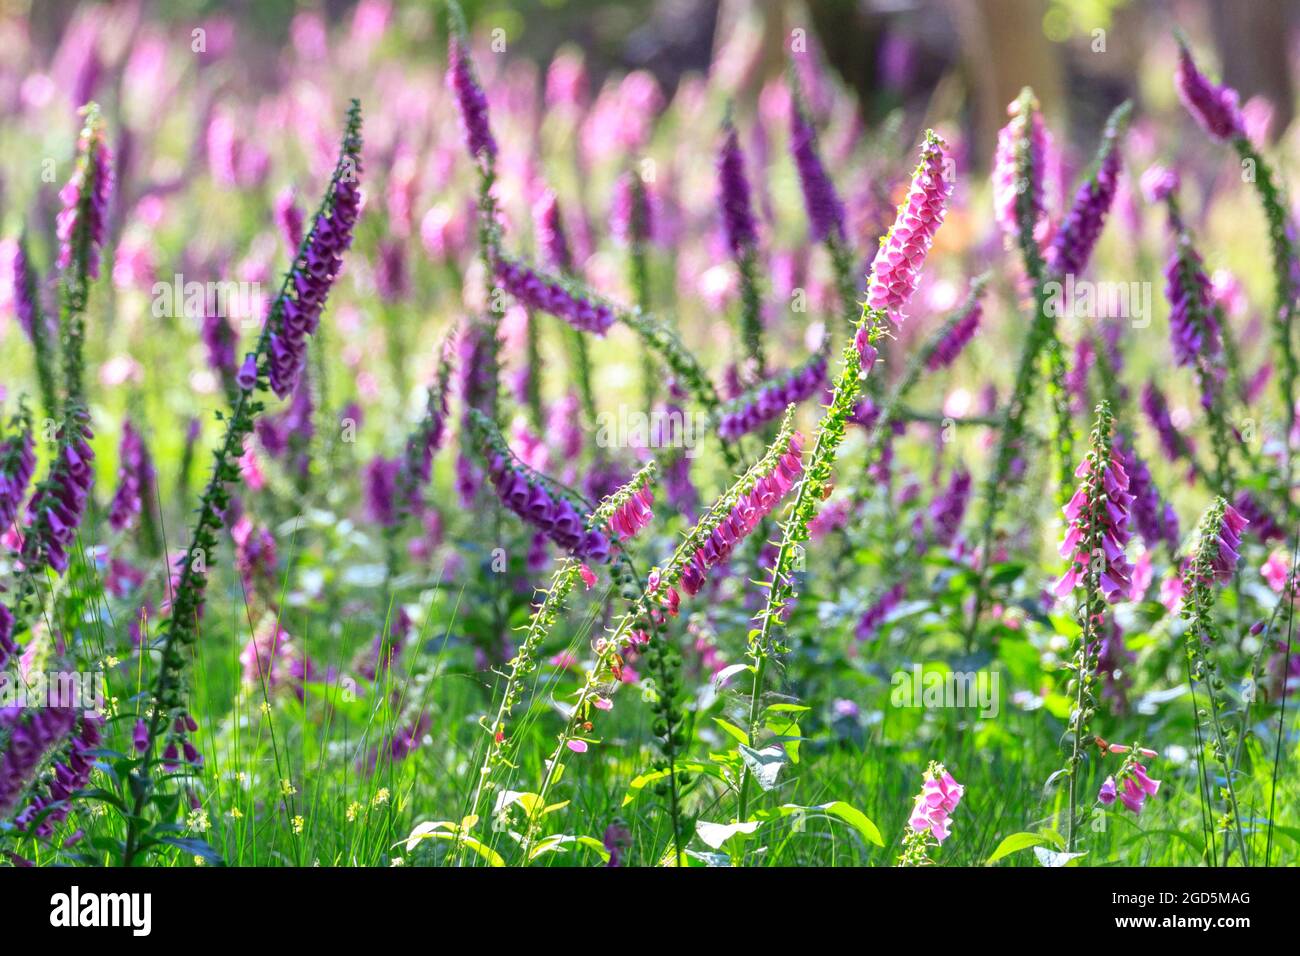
(952, 344)
(1218, 547)
(57, 507)
(470, 98)
(33, 733)
(1074, 241)
(822, 202)
(297, 315)
(17, 464)
(1192, 325)
(935, 804)
(948, 509)
(897, 265)
(744, 516)
(537, 291)
(70, 776)
(633, 514)
(552, 240)
(630, 215)
(135, 477)
(768, 402)
(734, 196)
(1214, 107)
(83, 223)
(1006, 176)
(1098, 516)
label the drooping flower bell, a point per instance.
(1099, 523)
(1214, 107)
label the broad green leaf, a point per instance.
(732, 730)
(844, 811)
(1015, 843)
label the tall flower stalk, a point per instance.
(741, 233)
(893, 279)
(81, 227)
(1213, 561)
(659, 589)
(1073, 245)
(1098, 573)
(31, 316)
(313, 269)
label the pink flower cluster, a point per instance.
(1227, 541)
(897, 266)
(744, 517)
(1136, 787)
(634, 514)
(85, 201)
(1006, 179)
(938, 798)
(1113, 531)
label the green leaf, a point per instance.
(838, 808)
(1015, 843)
(733, 731)
(641, 781)
(1053, 858)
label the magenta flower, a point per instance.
(734, 195)
(1159, 183)
(948, 508)
(1107, 793)
(297, 315)
(551, 237)
(56, 510)
(135, 480)
(1192, 324)
(634, 514)
(897, 266)
(290, 220)
(553, 515)
(869, 623)
(946, 352)
(550, 295)
(1098, 512)
(744, 517)
(17, 464)
(32, 734)
(1213, 107)
(1006, 179)
(470, 98)
(822, 202)
(939, 796)
(82, 224)
(1225, 543)
(629, 217)
(1074, 241)
(770, 400)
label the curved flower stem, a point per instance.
(618, 637)
(808, 494)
